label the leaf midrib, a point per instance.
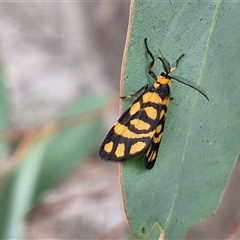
(194, 104)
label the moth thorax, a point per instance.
(164, 79)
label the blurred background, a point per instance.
(53, 54)
(56, 52)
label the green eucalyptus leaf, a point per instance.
(201, 139)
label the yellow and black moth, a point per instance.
(140, 128)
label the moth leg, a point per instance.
(142, 89)
(176, 63)
(152, 62)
